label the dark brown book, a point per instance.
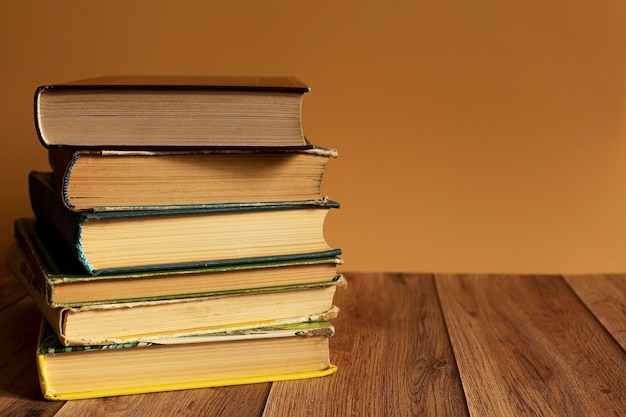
(133, 240)
(171, 112)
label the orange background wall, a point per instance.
(481, 136)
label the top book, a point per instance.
(138, 112)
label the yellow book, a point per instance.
(278, 353)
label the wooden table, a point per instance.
(406, 344)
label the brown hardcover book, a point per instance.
(97, 180)
(171, 112)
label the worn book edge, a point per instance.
(57, 316)
(49, 270)
(62, 162)
(51, 395)
(47, 339)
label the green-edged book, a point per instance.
(269, 354)
(101, 180)
(166, 318)
(115, 241)
(63, 281)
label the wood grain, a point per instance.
(237, 401)
(392, 352)
(19, 386)
(605, 296)
(10, 288)
(526, 346)
(20, 394)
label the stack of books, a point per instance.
(178, 237)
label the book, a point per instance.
(279, 353)
(101, 180)
(63, 282)
(170, 112)
(158, 319)
(115, 241)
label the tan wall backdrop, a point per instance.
(481, 136)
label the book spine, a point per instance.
(65, 179)
(21, 254)
(62, 161)
(42, 373)
(27, 275)
(48, 208)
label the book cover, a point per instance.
(159, 319)
(185, 82)
(266, 354)
(105, 180)
(170, 112)
(115, 241)
(63, 281)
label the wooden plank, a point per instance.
(10, 288)
(393, 355)
(239, 401)
(605, 296)
(20, 394)
(19, 386)
(527, 346)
